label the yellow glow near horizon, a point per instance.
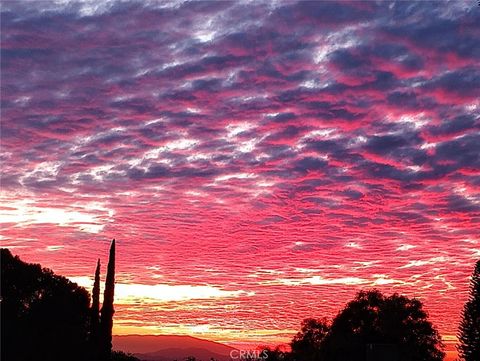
(134, 293)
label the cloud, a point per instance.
(131, 294)
(214, 140)
(88, 217)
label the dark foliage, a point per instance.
(106, 321)
(469, 330)
(122, 356)
(43, 316)
(275, 354)
(94, 318)
(374, 326)
(371, 327)
(306, 345)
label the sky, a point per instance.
(257, 162)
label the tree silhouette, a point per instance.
(106, 322)
(122, 356)
(375, 327)
(469, 330)
(43, 316)
(306, 345)
(94, 318)
(275, 354)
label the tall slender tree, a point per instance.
(106, 321)
(95, 316)
(469, 330)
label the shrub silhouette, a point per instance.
(273, 354)
(122, 356)
(44, 316)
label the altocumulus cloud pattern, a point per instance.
(252, 158)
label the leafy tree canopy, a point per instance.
(371, 327)
(44, 316)
(306, 345)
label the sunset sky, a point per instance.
(257, 162)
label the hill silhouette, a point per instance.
(169, 347)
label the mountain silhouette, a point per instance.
(170, 347)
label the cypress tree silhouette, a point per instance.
(469, 330)
(94, 316)
(106, 321)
